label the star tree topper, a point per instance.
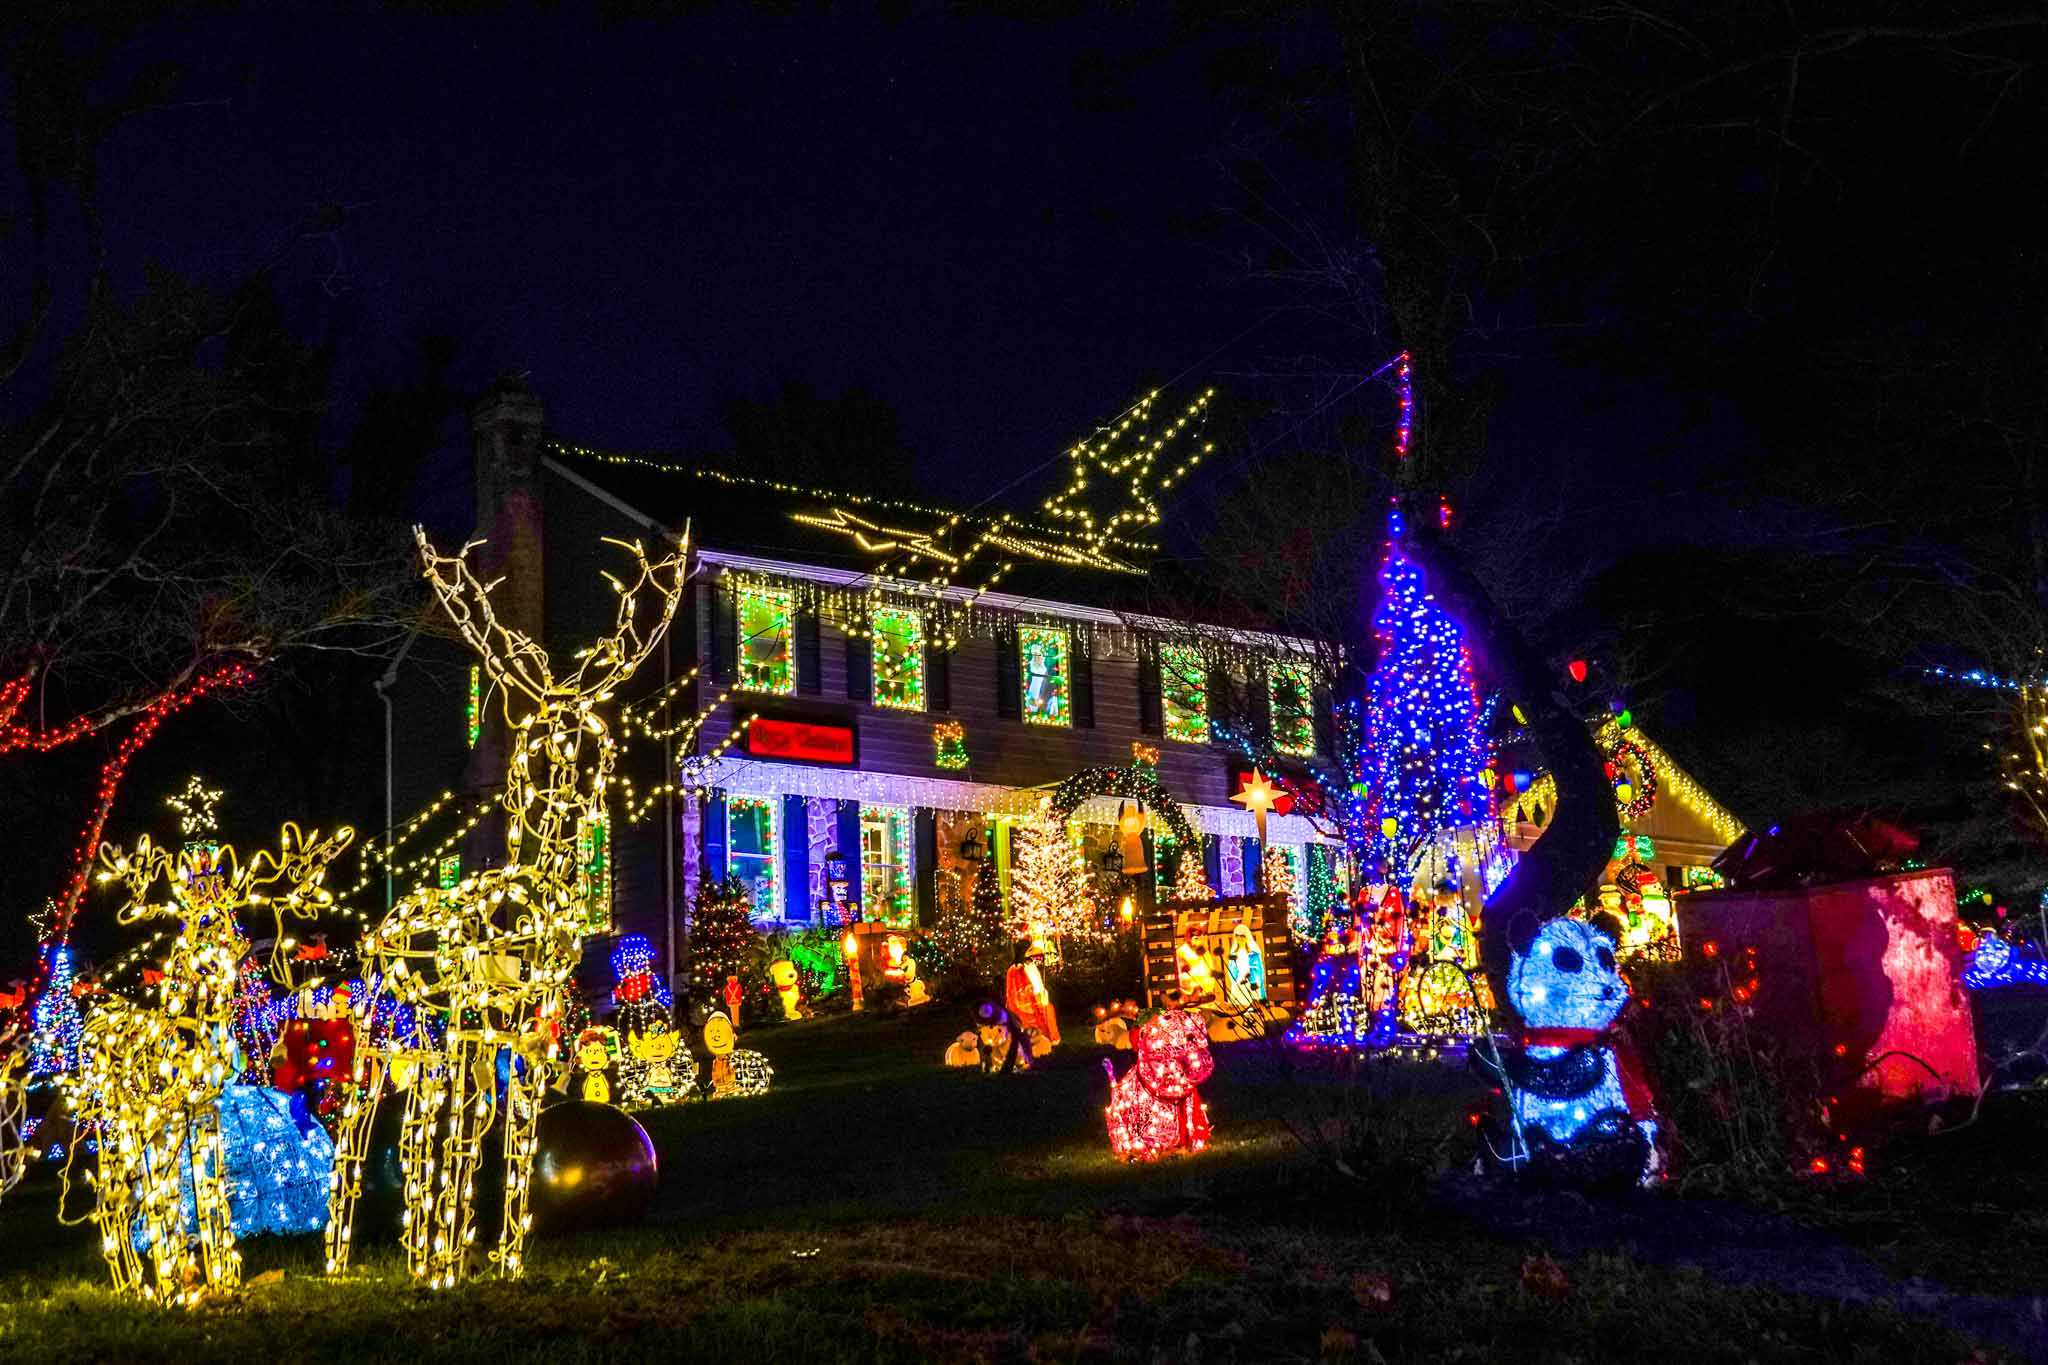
(1258, 796)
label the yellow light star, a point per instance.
(1258, 796)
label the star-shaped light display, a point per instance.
(1258, 796)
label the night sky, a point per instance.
(653, 218)
(1738, 359)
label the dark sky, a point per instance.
(1754, 322)
(654, 217)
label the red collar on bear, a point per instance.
(1628, 1064)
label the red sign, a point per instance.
(1282, 804)
(800, 741)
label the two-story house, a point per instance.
(883, 727)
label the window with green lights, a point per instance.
(885, 870)
(751, 850)
(898, 635)
(1291, 700)
(1184, 694)
(1045, 671)
(594, 871)
(767, 639)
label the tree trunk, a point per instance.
(1567, 859)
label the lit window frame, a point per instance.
(899, 910)
(1060, 713)
(1294, 732)
(775, 675)
(898, 681)
(770, 858)
(1183, 718)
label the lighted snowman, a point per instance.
(1581, 1108)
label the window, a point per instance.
(594, 872)
(1293, 708)
(1042, 654)
(767, 630)
(1184, 694)
(885, 853)
(751, 851)
(899, 658)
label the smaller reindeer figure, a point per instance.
(149, 1078)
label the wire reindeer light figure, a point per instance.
(149, 1077)
(497, 953)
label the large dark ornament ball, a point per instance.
(595, 1168)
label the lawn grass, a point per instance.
(877, 1206)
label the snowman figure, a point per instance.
(1582, 1109)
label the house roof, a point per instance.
(1684, 814)
(986, 552)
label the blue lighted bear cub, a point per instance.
(1581, 1107)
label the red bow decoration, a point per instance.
(1628, 1063)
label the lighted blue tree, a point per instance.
(53, 1048)
(1420, 743)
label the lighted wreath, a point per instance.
(1139, 782)
(1641, 789)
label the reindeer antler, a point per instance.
(615, 657)
(507, 652)
(138, 871)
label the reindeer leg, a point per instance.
(416, 1157)
(220, 1258)
(522, 1118)
(351, 1150)
(471, 1109)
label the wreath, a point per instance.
(1644, 782)
(1139, 782)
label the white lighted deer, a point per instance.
(496, 954)
(149, 1078)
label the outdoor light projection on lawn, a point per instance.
(150, 1079)
(496, 955)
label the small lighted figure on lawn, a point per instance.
(735, 1072)
(1995, 962)
(1581, 1109)
(597, 1057)
(999, 1044)
(899, 968)
(663, 1071)
(789, 990)
(1113, 1024)
(964, 1050)
(1154, 1107)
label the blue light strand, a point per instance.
(277, 1169)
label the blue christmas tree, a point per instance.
(53, 1048)
(1422, 745)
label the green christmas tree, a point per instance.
(971, 938)
(723, 942)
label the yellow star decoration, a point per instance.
(1258, 797)
(1126, 454)
(877, 539)
(195, 807)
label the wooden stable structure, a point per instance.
(1170, 923)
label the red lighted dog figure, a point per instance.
(1154, 1108)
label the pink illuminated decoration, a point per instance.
(1154, 1107)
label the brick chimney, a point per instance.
(506, 425)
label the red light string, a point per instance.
(111, 773)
